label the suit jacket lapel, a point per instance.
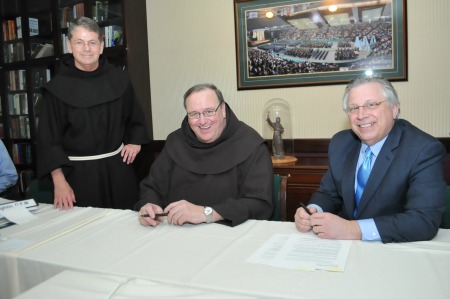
(348, 180)
(380, 168)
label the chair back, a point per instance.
(446, 217)
(41, 190)
(279, 197)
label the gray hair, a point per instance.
(388, 90)
(86, 23)
(200, 87)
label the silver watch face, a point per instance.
(207, 211)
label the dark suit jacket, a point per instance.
(405, 193)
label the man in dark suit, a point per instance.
(403, 197)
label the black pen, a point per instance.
(306, 208)
(156, 215)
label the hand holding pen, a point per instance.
(157, 215)
(305, 208)
(303, 224)
(151, 215)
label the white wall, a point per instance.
(193, 41)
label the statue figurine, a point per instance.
(277, 142)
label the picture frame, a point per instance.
(303, 43)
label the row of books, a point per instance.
(20, 127)
(69, 13)
(13, 52)
(21, 153)
(18, 103)
(112, 36)
(12, 29)
(100, 11)
(17, 80)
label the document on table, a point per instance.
(304, 252)
(17, 211)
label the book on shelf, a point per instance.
(21, 153)
(19, 27)
(40, 77)
(17, 80)
(20, 127)
(100, 11)
(70, 12)
(25, 178)
(23, 130)
(34, 26)
(116, 35)
(78, 10)
(14, 52)
(9, 30)
(113, 35)
(35, 48)
(44, 51)
(64, 40)
(18, 103)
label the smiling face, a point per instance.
(86, 48)
(371, 125)
(207, 129)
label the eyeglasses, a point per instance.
(206, 113)
(90, 43)
(366, 106)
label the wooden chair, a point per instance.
(279, 197)
(41, 190)
(446, 217)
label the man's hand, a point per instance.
(150, 210)
(330, 226)
(64, 196)
(182, 211)
(129, 152)
(302, 219)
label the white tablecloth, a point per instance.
(71, 284)
(48, 225)
(213, 257)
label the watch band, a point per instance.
(208, 211)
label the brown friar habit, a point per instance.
(233, 175)
(85, 114)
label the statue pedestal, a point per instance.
(285, 160)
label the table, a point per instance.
(212, 257)
(71, 284)
(49, 224)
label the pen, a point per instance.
(306, 208)
(156, 215)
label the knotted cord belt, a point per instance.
(96, 157)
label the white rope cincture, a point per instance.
(96, 157)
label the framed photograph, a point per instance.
(291, 43)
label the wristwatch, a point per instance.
(208, 211)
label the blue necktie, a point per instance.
(363, 176)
